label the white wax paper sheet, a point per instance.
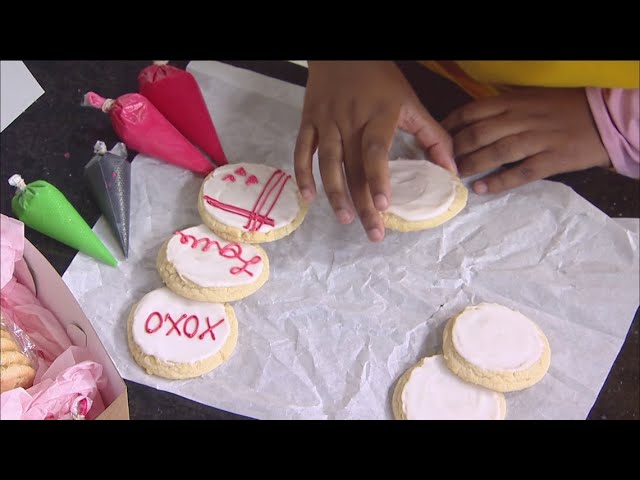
(340, 319)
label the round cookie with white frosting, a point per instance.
(197, 264)
(251, 203)
(496, 347)
(423, 195)
(430, 391)
(177, 338)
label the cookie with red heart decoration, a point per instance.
(251, 203)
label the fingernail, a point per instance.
(375, 234)
(480, 188)
(343, 216)
(381, 202)
(306, 194)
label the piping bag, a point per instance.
(176, 94)
(140, 125)
(109, 176)
(43, 207)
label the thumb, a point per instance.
(416, 120)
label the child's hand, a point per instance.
(552, 130)
(351, 111)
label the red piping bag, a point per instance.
(176, 94)
(143, 128)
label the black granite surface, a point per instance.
(54, 139)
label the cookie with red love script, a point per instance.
(197, 264)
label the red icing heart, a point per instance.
(252, 179)
(229, 178)
(241, 171)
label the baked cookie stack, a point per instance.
(488, 350)
(189, 327)
(16, 369)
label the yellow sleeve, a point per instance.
(484, 78)
(604, 74)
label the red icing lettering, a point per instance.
(184, 239)
(194, 330)
(210, 329)
(189, 328)
(251, 180)
(256, 219)
(241, 171)
(174, 324)
(229, 178)
(239, 270)
(146, 323)
(229, 250)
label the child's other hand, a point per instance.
(552, 130)
(351, 111)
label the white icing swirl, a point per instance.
(496, 338)
(420, 190)
(433, 392)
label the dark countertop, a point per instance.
(54, 139)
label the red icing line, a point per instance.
(241, 171)
(146, 323)
(255, 220)
(185, 329)
(239, 270)
(237, 210)
(174, 324)
(195, 330)
(251, 224)
(210, 329)
(278, 195)
(229, 250)
(229, 178)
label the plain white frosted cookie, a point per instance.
(251, 203)
(174, 337)
(496, 347)
(430, 391)
(198, 264)
(423, 195)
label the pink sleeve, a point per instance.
(617, 116)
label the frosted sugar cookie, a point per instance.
(496, 347)
(251, 203)
(174, 337)
(197, 264)
(430, 391)
(423, 195)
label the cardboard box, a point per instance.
(37, 274)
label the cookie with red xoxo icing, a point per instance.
(173, 337)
